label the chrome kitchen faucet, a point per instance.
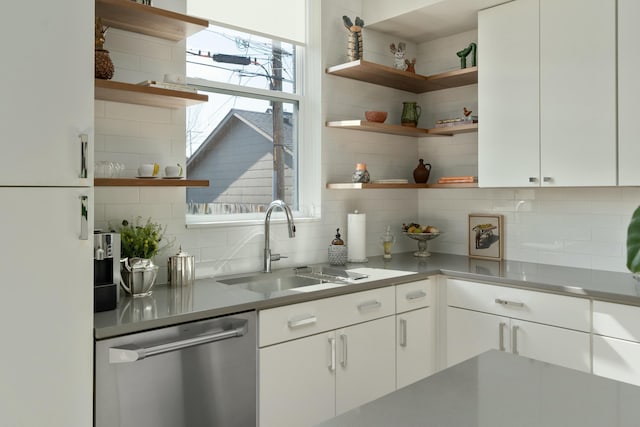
(268, 256)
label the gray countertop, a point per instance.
(209, 298)
(498, 389)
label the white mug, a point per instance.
(147, 170)
(173, 171)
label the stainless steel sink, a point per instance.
(286, 279)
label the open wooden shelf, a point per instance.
(390, 77)
(361, 186)
(400, 130)
(143, 182)
(152, 21)
(108, 90)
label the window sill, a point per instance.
(197, 221)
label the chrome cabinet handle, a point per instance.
(131, 353)
(84, 141)
(309, 320)
(511, 303)
(501, 327)
(547, 179)
(332, 356)
(416, 295)
(84, 217)
(514, 339)
(403, 332)
(343, 358)
(369, 305)
(533, 179)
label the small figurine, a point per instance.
(398, 55)
(354, 51)
(411, 65)
(464, 53)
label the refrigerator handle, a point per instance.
(84, 142)
(131, 353)
(84, 217)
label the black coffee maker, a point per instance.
(106, 270)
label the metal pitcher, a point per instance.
(137, 276)
(181, 269)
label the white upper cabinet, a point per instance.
(547, 94)
(508, 95)
(628, 92)
(47, 92)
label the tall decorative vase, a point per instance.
(421, 173)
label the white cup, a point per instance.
(146, 170)
(172, 171)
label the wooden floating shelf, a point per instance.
(366, 126)
(108, 90)
(152, 21)
(142, 182)
(390, 77)
(361, 186)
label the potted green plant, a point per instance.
(139, 244)
(633, 244)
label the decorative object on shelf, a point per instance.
(387, 240)
(633, 244)
(410, 114)
(337, 250)
(146, 2)
(466, 119)
(457, 179)
(375, 116)
(173, 171)
(104, 68)
(462, 54)
(422, 235)
(354, 51)
(361, 174)
(421, 173)
(357, 233)
(398, 55)
(139, 244)
(486, 238)
(411, 65)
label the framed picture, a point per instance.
(486, 238)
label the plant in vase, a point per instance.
(139, 244)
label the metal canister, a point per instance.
(181, 269)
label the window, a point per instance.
(245, 139)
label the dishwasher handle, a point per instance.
(132, 353)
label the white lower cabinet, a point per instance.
(616, 341)
(415, 346)
(546, 327)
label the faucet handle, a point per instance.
(277, 257)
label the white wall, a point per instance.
(574, 227)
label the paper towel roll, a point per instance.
(357, 237)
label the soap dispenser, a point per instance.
(337, 250)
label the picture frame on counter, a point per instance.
(486, 236)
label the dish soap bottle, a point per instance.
(387, 239)
(337, 250)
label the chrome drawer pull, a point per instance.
(343, 339)
(310, 320)
(84, 141)
(416, 295)
(403, 332)
(511, 303)
(501, 335)
(369, 305)
(332, 356)
(514, 339)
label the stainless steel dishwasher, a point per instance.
(192, 375)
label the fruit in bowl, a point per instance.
(415, 228)
(375, 116)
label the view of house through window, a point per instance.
(244, 140)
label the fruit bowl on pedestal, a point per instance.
(422, 239)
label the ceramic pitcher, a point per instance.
(410, 114)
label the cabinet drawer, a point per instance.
(410, 296)
(307, 318)
(616, 320)
(550, 309)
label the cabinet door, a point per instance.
(550, 344)
(470, 333)
(415, 349)
(616, 359)
(297, 381)
(628, 92)
(366, 363)
(47, 92)
(578, 92)
(47, 276)
(508, 95)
